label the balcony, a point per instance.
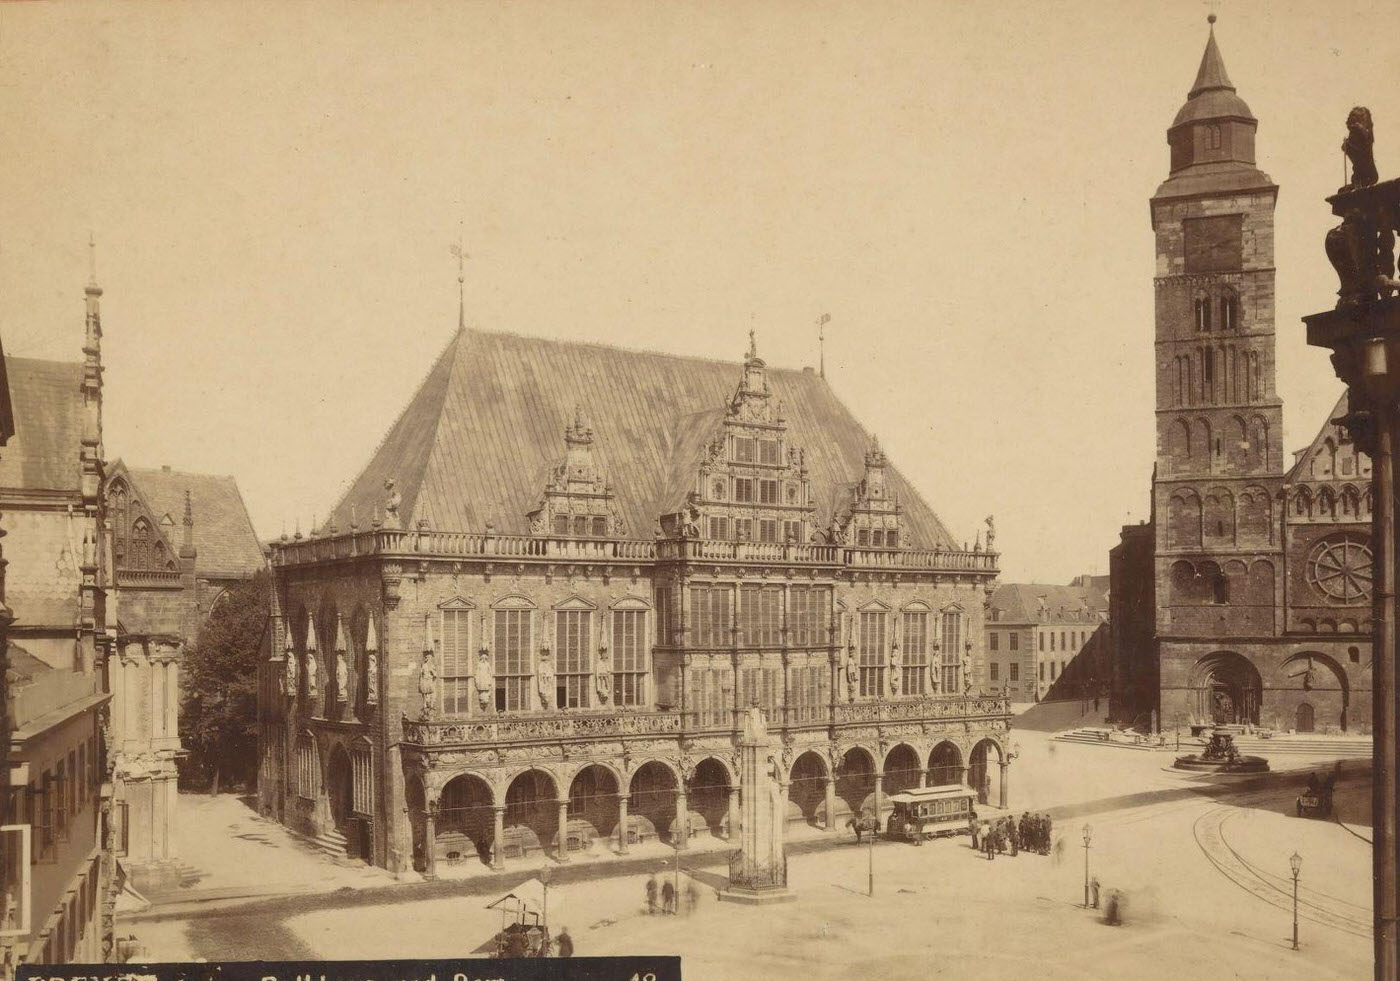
(954, 707)
(543, 728)
(396, 542)
(148, 579)
(708, 550)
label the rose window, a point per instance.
(1340, 569)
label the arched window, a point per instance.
(1229, 311)
(362, 778)
(1213, 137)
(141, 544)
(308, 771)
(1202, 313)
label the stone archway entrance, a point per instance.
(979, 770)
(708, 798)
(532, 813)
(944, 765)
(654, 797)
(902, 769)
(1228, 689)
(855, 783)
(465, 820)
(807, 790)
(593, 806)
(1323, 687)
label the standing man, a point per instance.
(566, 943)
(1013, 835)
(692, 895)
(651, 893)
(668, 897)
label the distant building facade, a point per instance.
(59, 908)
(533, 626)
(177, 541)
(1047, 641)
(1259, 576)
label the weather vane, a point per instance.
(822, 321)
(462, 255)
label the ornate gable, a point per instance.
(752, 484)
(577, 502)
(872, 517)
(141, 540)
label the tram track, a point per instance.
(1209, 837)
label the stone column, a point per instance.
(153, 673)
(733, 813)
(116, 666)
(430, 841)
(622, 824)
(498, 841)
(682, 819)
(879, 794)
(172, 699)
(1002, 790)
(830, 804)
(962, 775)
(562, 852)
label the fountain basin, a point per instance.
(1240, 764)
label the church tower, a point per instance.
(1219, 441)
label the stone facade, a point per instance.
(1258, 572)
(436, 694)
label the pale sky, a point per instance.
(963, 187)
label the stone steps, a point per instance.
(330, 843)
(1090, 737)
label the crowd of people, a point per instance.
(669, 896)
(1031, 833)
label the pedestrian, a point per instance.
(972, 830)
(692, 895)
(651, 893)
(668, 897)
(857, 824)
(991, 844)
(566, 943)
(1013, 835)
(1001, 836)
(1094, 891)
(918, 831)
(1049, 831)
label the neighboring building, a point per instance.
(599, 602)
(56, 699)
(1046, 641)
(177, 541)
(1260, 585)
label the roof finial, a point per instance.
(822, 321)
(459, 250)
(753, 345)
(92, 259)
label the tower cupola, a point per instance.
(1215, 127)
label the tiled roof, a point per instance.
(1020, 603)
(226, 546)
(23, 665)
(44, 453)
(490, 417)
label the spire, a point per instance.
(822, 321)
(461, 253)
(1211, 75)
(371, 636)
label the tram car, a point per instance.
(931, 812)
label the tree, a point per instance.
(218, 719)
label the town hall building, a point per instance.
(537, 616)
(1246, 599)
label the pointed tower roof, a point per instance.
(1212, 96)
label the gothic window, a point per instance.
(512, 660)
(141, 544)
(952, 650)
(574, 671)
(719, 529)
(1202, 313)
(743, 490)
(743, 449)
(760, 616)
(457, 661)
(768, 530)
(561, 524)
(768, 492)
(362, 779)
(629, 657)
(1213, 137)
(710, 613)
(808, 610)
(870, 649)
(307, 769)
(913, 671)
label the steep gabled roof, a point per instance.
(226, 547)
(490, 417)
(45, 451)
(1019, 602)
(1302, 459)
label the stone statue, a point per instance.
(894, 669)
(342, 676)
(1358, 146)
(991, 532)
(392, 500)
(482, 678)
(372, 675)
(427, 684)
(546, 679)
(289, 679)
(604, 679)
(967, 674)
(311, 689)
(851, 673)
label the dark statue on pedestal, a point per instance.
(1362, 247)
(1359, 148)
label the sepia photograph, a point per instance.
(503, 489)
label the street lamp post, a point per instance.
(870, 852)
(544, 881)
(1363, 333)
(1296, 862)
(1086, 866)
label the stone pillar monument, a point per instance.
(758, 870)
